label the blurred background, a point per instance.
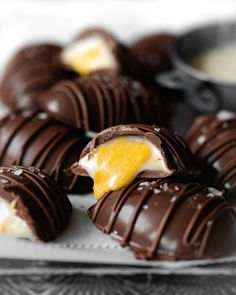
(59, 20)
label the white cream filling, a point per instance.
(12, 224)
(77, 55)
(154, 162)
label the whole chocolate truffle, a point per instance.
(31, 71)
(100, 101)
(115, 156)
(212, 138)
(93, 50)
(165, 219)
(31, 204)
(152, 55)
(43, 143)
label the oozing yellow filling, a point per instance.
(117, 163)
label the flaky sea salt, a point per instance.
(165, 187)
(156, 191)
(157, 129)
(144, 183)
(214, 192)
(31, 169)
(18, 172)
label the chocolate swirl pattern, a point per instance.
(45, 144)
(212, 138)
(100, 101)
(165, 219)
(31, 71)
(37, 199)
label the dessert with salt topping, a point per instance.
(119, 154)
(160, 222)
(216, 153)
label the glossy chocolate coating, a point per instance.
(45, 144)
(175, 153)
(100, 101)
(165, 219)
(212, 139)
(152, 55)
(31, 71)
(39, 200)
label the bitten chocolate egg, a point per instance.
(94, 50)
(118, 154)
(99, 101)
(31, 71)
(152, 55)
(212, 138)
(43, 143)
(165, 219)
(31, 204)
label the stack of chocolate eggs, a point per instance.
(145, 180)
(151, 188)
(57, 94)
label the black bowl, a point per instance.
(202, 92)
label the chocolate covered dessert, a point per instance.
(31, 71)
(118, 154)
(94, 50)
(35, 140)
(165, 219)
(100, 101)
(212, 139)
(32, 205)
(152, 55)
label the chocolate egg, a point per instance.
(32, 70)
(35, 140)
(118, 154)
(212, 139)
(100, 101)
(165, 219)
(32, 205)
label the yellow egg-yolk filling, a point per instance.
(88, 55)
(116, 163)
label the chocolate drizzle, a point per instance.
(38, 200)
(212, 139)
(31, 71)
(43, 143)
(100, 101)
(175, 153)
(164, 219)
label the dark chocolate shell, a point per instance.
(152, 55)
(165, 219)
(212, 139)
(37, 199)
(100, 101)
(31, 71)
(175, 153)
(43, 143)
